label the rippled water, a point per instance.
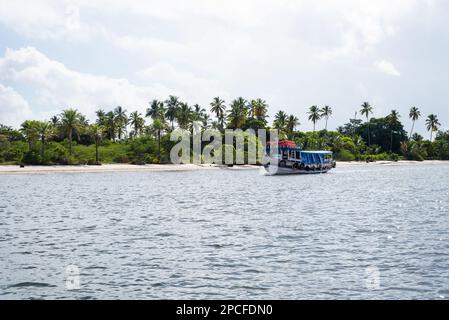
(227, 234)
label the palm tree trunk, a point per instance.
(391, 142)
(326, 123)
(159, 145)
(314, 126)
(70, 142)
(411, 131)
(96, 152)
(431, 134)
(43, 146)
(369, 135)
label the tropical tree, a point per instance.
(156, 110)
(184, 116)
(291, 123)
(198, 113)
(109, 125)
(97, 132)
(54, 121)
(158, 126)
(258, 110)
(218, 107)
(414, 115)
(172, 104)
(121, 121)
(393, 120)
(101, 117)
(44, 130)
(30, 132)
(280, 119)
(326, 112)
(238, 113)
(432, 124)
(70, 123)
(314, 115)
(365, 111)
(137, 122)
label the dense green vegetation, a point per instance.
(119, 137)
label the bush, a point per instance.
(344, 155)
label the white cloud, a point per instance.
(13, 107)
(387, 67)
(55, 86)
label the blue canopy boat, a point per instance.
(291, 159)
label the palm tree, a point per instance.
(218, 107)
(414, 115)
(172, 104)
(54, 121)
(110, 125)
(432, 124)
(70, 123)
(393, 119)
(280, 119)
(314, 115)
(101, 117)
(238, 114)
(121, 121)
(96, 132)
(259, 109)
(366, 110)
(291, 123)
(184, 116)
(198, 113)
(137, 122)
(158, 126)
(156, 110)
(44, 129)
(29, 130)
(326, 112)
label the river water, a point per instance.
(369, 232)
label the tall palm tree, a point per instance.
(238, 114)
(280, 119)
(366, 110)
(414, 115)
(121, 121)
(393, 119)
(156, 110)
(314, 115)
(218, 107)
(96, 131)
(137, 122)
(54, 121)
(70, 123)
(184, 115)
(432, 124)
(198, 113)
(158, 126)
(291, 123)
(172, 104)
(29, 130)
(101, 117)
(110, 125)
(44, 129)
(258, 110)
(326, 112)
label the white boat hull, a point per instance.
(275, 170)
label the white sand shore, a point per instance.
(15, 169)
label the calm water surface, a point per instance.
(227, 234)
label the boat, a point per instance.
(292, 159)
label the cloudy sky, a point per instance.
(89, 54)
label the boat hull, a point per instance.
(275, 170)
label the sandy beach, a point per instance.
(15, 169)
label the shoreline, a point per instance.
(15, 169)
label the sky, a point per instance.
(91, 54)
